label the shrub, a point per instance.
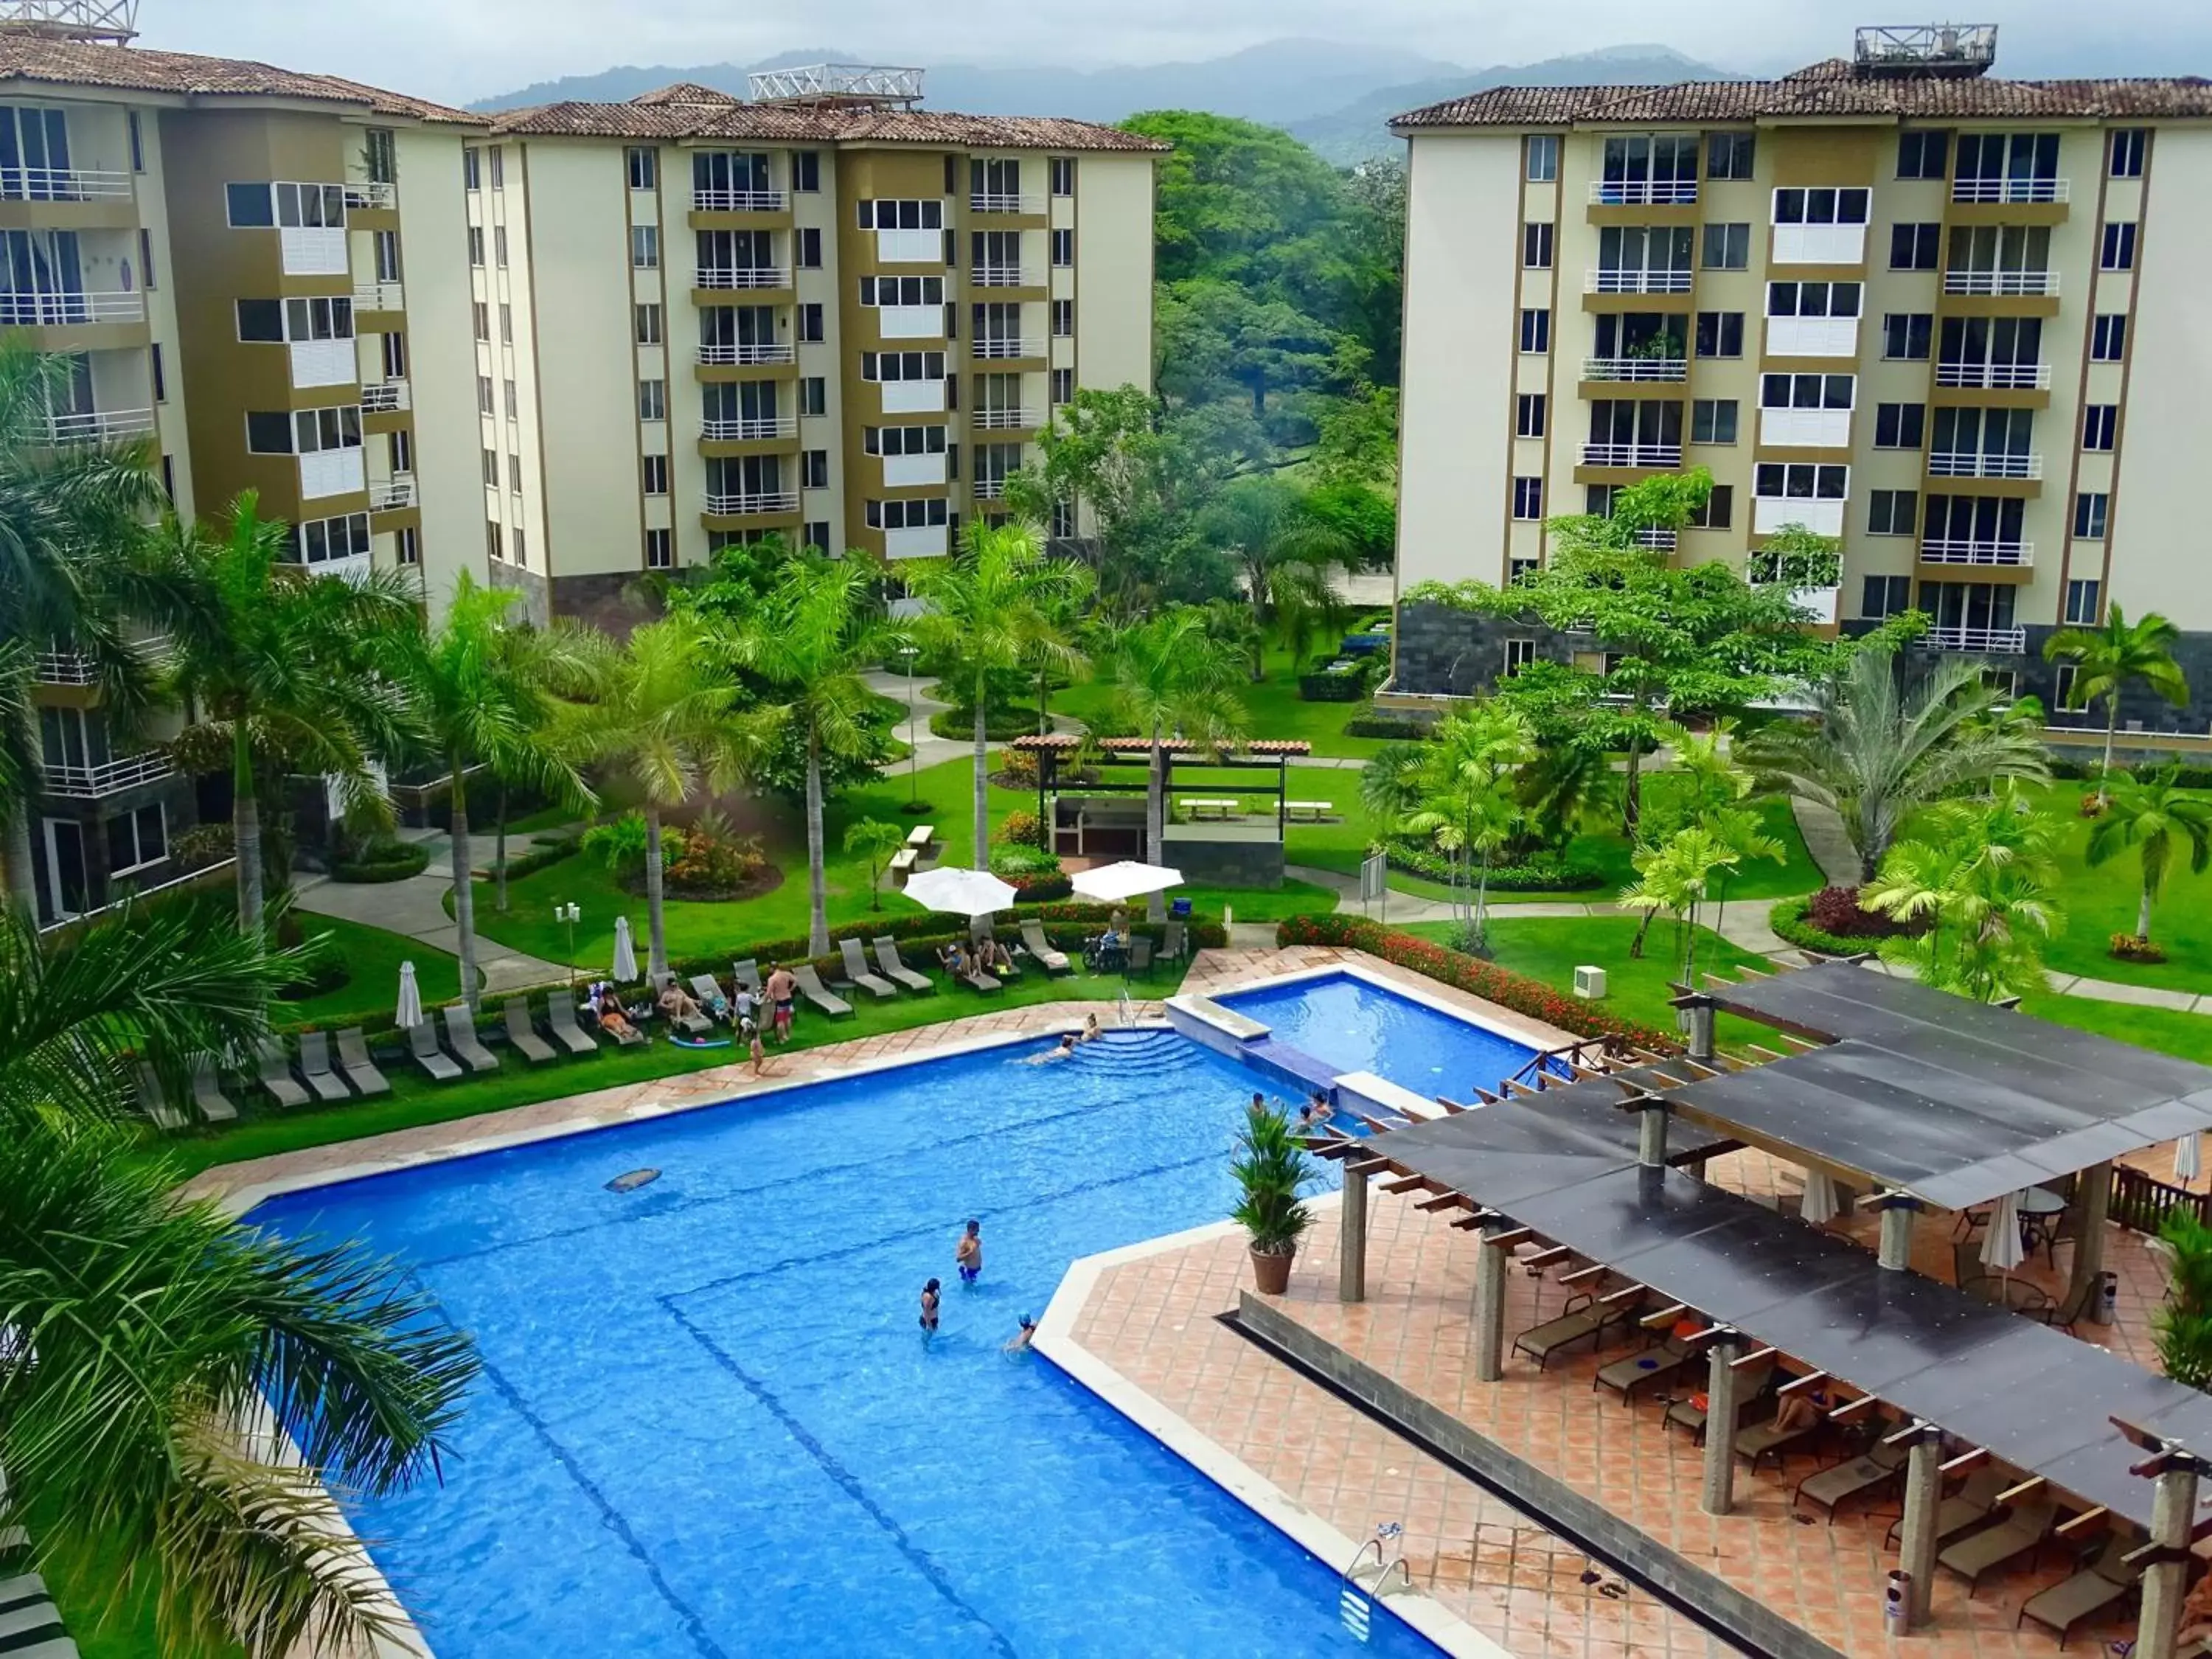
(382, 860)
(1399, 728)
(543, 855)
(620, 843)
(1835, 911)
(1787, 920)
(2093, 806)
(1539, 873)
(1018, 768)
(1037, 887)
(202, 845)
(1018, 859)
(712, 860)
(1000, 724)
(1023, 828)
(1337, 686)
(2133, 947)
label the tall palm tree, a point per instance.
(664, 713)
(141, 1437)
(1174, 681)
(2108, 660)
(279, 672)
(2152, 815)
(1876, 754)
(809, 637)
(483, 692)
(993, 607)
(1461, 791)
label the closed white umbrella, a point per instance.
(625, 952)
(2187, 1164)
(409, 1014)
(1820, 1204)
(960, 892)
(1113, 884)
(2001, 1244)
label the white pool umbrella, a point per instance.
(409, 1014)
(2001, 1244)
(625, 952)
(2187, 1161)
(960, 892)
(1819, 1203)
(1117, 883)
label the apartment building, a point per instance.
(1945, 318)
(824, 313)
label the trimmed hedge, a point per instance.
(1541, 872)
(1788, 919)
(1483, 979)
(1000, 724)
(1404, 728)
(392, 861)
(543, 856)
(1331, 688)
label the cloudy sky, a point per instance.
(459, 50)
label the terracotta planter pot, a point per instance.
(1271, 1275)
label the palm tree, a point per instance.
(140, 1440)
(1675, 876)
(1460, 791)
(2107, 660)
(484, 693)
(1284, 553)
(994, 607)
(809, 637)
(1174, 680)
(875, 840)
(664, 714)
(1983, 875)
(279, 671)
(1876, 755)
(2151, 814)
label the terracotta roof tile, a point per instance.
(134, 68)
(687, 92)
(671, 115)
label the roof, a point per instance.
(687, 113)
(30, 57)
(1834, 88)
(1067, 742)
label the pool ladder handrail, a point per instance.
(1349, 1579)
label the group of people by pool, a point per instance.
(752, 1016)
(1091, 1032)
(968, 1261)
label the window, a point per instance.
(2091, 510)
(399, 447)
(1803, 481)
(2101, 426)
(1720, 334)
(1718, 510)
(1729, 155)
(811, 323)
(499, 246)
(169, 478)
(480, 314)
(813, 395)
(1063, 386)
(395, 356)
(321, 540)
(513, 401)
(815, 534)
(1905, 334)
(484, 405)
(1519, 654)
(1914, 247)
(2083, 604)
(810, 249)
(498, 157)
(814, 469)
(1528, 415)
(806, 170)
(249, 207)
(261, 321)
(1728, 247)
(472, 168)
(1892, 512)
(1900, 426)
(407, 545)
(303, 432)
(1063, 247)
(652, 400)
(160, 374)
(1535, 330)
(514, 472)
(475, 247)
(924, 215)
(1838, 391)
(1527, 498)
(386, 246)
(2128, 144)
(1923, 155)
(660, 549)
(505, 324)
(645, 247)
(148, 273)
(2120, 248)
(138, 839)
(1061, 169)
(1886, 596)
(1536, 247)
(138, 142)
(1540, 151)
(2108, 338)
(1813, 299)
(1822, 205)
(521, 552)
(1063, 319)
(902, 290)
(1712, 420)
(901, 365)
(644, 166)
(906, 514)
(656, 475)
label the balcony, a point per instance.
(992, 201)
(2001, 640)
(20, 309)
(389, 495)
(1006, 277)
(914, 471)
(385, 398)
(108, 778)
(63, 185)
(1820, 245)
(744, 352)
(2010, 556)
(1818, 429)
(990, 490)
(1812, 337)
(737, 507)
(744, 277)
(1643, 193)
(913, 397)
(911, 246)
(1822, 515)
(380, 296)
(1994, 377)
(1000, 350)
(1636, 281)
(323, 362)
(707, 199)
(1009, 420)
(1983, 464)
(2001, 283)
(758, 430)
(1819, 606)
(59, 668)
(1635, 368)
(1657, 455)
(1658, 541)
(372, 193)
(330, 473)
(313, 251)
(102, 426)
(2008, 191)
(916, 542)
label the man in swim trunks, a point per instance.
(969, 1253)
(781, 988)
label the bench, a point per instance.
(921, 837)
(1309, 811)
(901, 864)
(1199, 809)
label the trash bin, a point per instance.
(2104, 1307)
(1897, 1604)
(1179, 909)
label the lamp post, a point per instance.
(913, 736)
(571, 914)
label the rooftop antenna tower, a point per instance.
(838, 85)
(111, 22)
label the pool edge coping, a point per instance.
(1539, 1035)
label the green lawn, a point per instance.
(545, 817)
(2188, 1036)
(373, 956)
(2101, 901)
(1272, 706)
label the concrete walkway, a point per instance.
(1826, 840)
(417, 907)
(929, 749)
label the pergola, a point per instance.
(1921, 1098)
(1053, 749)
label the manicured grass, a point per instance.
(545, 817)
(2189, 1037)
(2100, 901)
(373, 956)
(1272, 707)
(1292, 898)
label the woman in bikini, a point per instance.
(929, 1309)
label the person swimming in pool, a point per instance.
(929, 1300)
(1064, 1051)
(1020, 1340)
(1313, 1115)
(969, 1253)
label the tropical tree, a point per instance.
(1676, 875)
(1983, 876)
(2106, 660)
(876, 839)
(1283, 554)
(176, 1350)
(992, 608)
(1877, 754)
(810, 638)
(665, 716)
(1460, 792)
(2153, 815)
(280, 671)
(483, 692)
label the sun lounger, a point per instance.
(1649, 1369)
(1831, 1488)
(29, 1617)
(978, 980)
(1577, 1324)
(59, 1647)
(1769, 1439)
(315, 1066)
(423, 1040)
(528, 1043)
(207, 1092)
(560, 1020)
(1175, 943)
(155, 1103)
(888, 959)
(696, 1024)
(360, 1070)
(277, 1075)
(1052, 961)
(980, 935)
(1691, 1415)
(2023, 1532)
(1966, 1508)
(711, 996)
(856, 969)
(24, 1587)
(811, 988)
(747, 973)
(461, 1037)
(2106, 1581)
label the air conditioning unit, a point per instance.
(1589, 983)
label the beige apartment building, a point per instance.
(1949, 319)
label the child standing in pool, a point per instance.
(929, 1309)
(969, 1253)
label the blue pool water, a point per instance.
(708, 1426)
(1357, 1026)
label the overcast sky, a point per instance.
(459, 50)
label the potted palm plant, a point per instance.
(1270, 1167)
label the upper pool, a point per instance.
(708, 1426)
(1357, 1025)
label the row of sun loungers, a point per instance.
(30, 1624)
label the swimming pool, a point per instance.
(1357, 1025)
(708, 1426)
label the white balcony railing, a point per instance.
(380, 296)
(2001, 282)
(101, 426)
(58, 667)
(1983, 464)
(772, 501)
(206, 875)
(744, 352)
(1009, 420)
(2014, 556)
(1635, 368)
(332, 472)
(313, 251)
(1818, 605)
(741, 277)
(25, 309)
(2002, 640)
(109, 778)
(385, 398)
(63, 184)
(999, 349)
(990, 490)
(1636, 281)
(1996, 377)
(707, 199)
(1643, 193)
(1659, 541)
(1631, 455)
(758, 430)
(2011, 190)
(1006, 277)
(992, 201)
(389, 495)
(372, 193)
